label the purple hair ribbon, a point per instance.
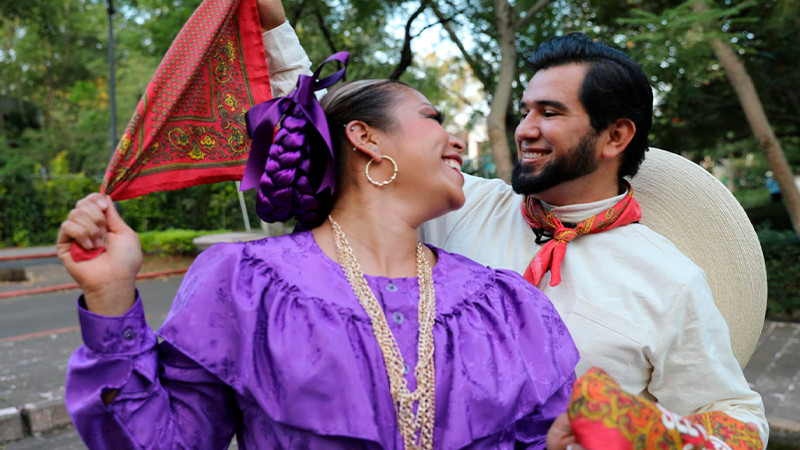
(264, 117)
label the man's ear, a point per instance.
(362, 138)
(619, 134)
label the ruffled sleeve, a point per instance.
(273, 321)
(184, 406)
(267, 340)
(548, 350)
(509, 359)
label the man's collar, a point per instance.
(580, 211)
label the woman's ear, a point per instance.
(620, 133)
(362, 138)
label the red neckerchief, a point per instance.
(552, 253)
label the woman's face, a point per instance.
(428, 157)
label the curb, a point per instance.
(11, 426)
(31, 256)
(68, 286)
(33, 419)
(45, 415)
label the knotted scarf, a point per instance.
(550, 256)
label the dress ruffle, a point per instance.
(282, 326)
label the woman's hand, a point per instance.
(270, 13)
(109, 280)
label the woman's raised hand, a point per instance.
(109, 280)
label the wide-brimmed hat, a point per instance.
(686, 204)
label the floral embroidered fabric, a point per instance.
(605, 416)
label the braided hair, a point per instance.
(294, 171)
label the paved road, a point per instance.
(62, 439)
(54, 311)
(37, 335)
(28, 263)
(39, 332)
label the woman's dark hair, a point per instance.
(614, 87)
(297, 157)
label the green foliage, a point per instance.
(32, 207)
(482, 166)
(205, 207)
(782, 256)
(36, 205)
(34, 201)
(770, 215)
(357, 26)
(172, 241)
(751, 198)
(697, 109)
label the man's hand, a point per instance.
(560, 435)
(270, 13)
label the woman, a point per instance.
(349, 335)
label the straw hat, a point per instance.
(686, 204)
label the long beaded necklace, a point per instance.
(407, 422)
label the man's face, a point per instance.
(555, 140)
(574, 163)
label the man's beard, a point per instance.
(578, 161)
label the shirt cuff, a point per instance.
(127, 334)
(283, 48)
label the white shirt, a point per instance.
(635, 305)
(286, 59)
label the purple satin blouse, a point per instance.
(266, 341)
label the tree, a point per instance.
(754, 111)
(509, 20)
(700, 39)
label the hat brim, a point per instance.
(683, 202)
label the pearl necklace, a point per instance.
(408, 423)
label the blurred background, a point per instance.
(57, 86)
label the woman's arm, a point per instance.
(122, 390)
(163, 399)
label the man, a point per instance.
(635, 305)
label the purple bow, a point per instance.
(262, 119)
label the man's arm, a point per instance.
(694, 369)
(286, 59)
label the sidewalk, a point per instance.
(34, 404)
(774, 372)
(27, 251)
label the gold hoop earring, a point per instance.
(381, 183)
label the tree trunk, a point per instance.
(757, 118)
(496, 122)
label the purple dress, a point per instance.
(267, 341)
